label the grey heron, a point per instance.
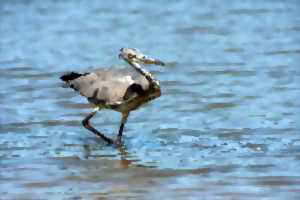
(121, 89)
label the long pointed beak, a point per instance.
(151, 61)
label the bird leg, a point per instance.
(124, 118)
(86, 124)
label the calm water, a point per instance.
(226, 127)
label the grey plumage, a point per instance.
(119, 88)
(109, 85)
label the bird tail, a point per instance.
(69, 77)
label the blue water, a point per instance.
(225, 127)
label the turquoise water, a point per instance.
(225, 127)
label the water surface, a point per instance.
(226, 126)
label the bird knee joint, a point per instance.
(85, 123)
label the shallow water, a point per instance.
(226, 126)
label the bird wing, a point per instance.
(110, 85)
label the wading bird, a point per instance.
(121, 89)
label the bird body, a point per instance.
(118, 88)
(110, 87)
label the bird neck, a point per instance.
(145, 73)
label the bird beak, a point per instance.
(152, 61)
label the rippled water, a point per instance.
(226, 126)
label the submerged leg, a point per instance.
(124, 118)
(86, 124)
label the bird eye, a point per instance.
(131, 56)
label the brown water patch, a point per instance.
(202, 30)
(101, 156)
(41, 184)
(75, 115)
(284, 88)
(5, 128)
(69, 104)
(218, 64)
(224, 72)
(45, 123)
(15, 148)
(199, 110)
(221, 95)
(171, 83)
(22, 69)
(234, 50)
(37, 136)
(145, 166)
(276, 182)
(198, 83)
(253, 97)
(242, 194)
(99, 194)
(156, 72)
(284, 52)
(188, 190)
(221, 105)
(248, 11)
(206, 16)
(260, 166)
(34, 76)
(72, 145)
(178, 91)
(24, 88)
(255, 146)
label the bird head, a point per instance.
(135, 55)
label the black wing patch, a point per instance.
(133, 88)
(72, 75)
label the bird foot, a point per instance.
(118, 142)
(109, 141)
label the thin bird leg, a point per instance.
(124, 118)
(86, 124)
